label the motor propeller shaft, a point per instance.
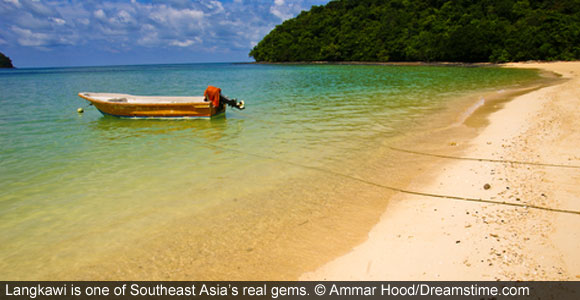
(232, 102)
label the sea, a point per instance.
(263, 193)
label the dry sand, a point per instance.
(426, 238)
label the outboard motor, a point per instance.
(214, 95)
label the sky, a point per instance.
(52, 33)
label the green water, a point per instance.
(74, 188)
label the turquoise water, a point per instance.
(77, 187)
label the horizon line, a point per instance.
(127, 65)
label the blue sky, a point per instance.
(39, 33)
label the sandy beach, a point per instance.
(530, 167)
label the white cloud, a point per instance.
(185, 43)
(216, 6)
(58, 21)
(38, 8)
(148, 36)
(284, 11)
(280, 13)
(13, 2)
(84, 21)
(28, 38)
(100, 14)
(201, 25)
(124, 17)
(165, 14)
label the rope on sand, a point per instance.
(486, 159)
(395, 189)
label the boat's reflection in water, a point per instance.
(204, 130)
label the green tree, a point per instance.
(5, 61)
(427, 30)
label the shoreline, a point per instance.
(486, 241)
(290, 238)
(379, 63)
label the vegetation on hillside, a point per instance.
(427, 30)
(5, 61)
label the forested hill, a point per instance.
(427, 30)
(5, 62)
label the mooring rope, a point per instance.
(500, 161)
(486, 159)
(396, 189)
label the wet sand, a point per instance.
(531, 151)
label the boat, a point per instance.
(210, 105)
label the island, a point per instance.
(402, 30)
(5, 61)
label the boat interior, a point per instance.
(127, 98)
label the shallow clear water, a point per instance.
(75, 184)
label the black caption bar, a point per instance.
(287, 290)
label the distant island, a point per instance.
(5, 61)
(404, 30)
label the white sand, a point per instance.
(425, 238)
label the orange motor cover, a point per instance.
(212, 94)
